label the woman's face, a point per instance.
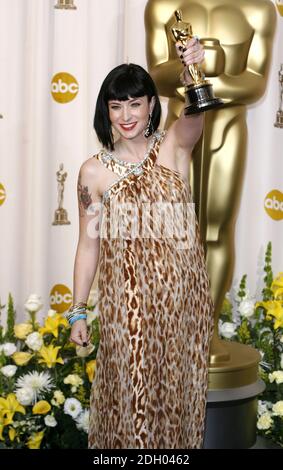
(129, 118)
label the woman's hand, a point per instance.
(192, 53)
(79, 334)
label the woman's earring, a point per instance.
(149, 127)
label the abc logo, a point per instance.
(60, 298)
(273, 204)
(64, 87)
(2, 194)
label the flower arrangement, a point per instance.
(260, 324)
(45, 380)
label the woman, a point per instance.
(155, 308)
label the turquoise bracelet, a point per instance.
(81, 316)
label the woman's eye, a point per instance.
(135, 105)
(114, 107)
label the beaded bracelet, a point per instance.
(77, 305)
(76, 310)
(69, 315)
(77, 317)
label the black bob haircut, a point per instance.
(123, 82)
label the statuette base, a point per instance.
(200, 98)
(279, 119)
(61, 217)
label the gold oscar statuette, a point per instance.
(279, 114)
(199, 95)
(61, 216)
(65, 5)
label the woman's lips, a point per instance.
(128, 127)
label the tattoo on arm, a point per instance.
(84, 197)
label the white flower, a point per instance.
(51, 313)
(72, 407)
(25, 396)
(84, 351)
(33, 304)
(38, 382)
(50, 421)
(278, 408)
(265, 421)
(263, 406)
(277, 375)
(246, 308)
(91, 315)
(8, 348)
(227, 329)
(34, 341)
(83, 421)
(9, 371)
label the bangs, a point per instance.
(125, 87)
(124, 82)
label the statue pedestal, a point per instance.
(61, 217)
(65, 5)
(231, 417)
(231, 413)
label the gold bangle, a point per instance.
(78, 304)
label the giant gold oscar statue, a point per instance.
(237, 37)
(238, 46)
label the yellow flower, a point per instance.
(12, 434)
(58, 397)
(49, 355)
(3, 422)
(273, 309)
(9, 406)
(278, 408)
(277, 286)
(73, 379)
(21, 358)
(21, 330)
(35, 440)
(90, 369)
(52, 324)
(265, 421)
(41, 408)
(276, 375)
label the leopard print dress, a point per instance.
(156, 313)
